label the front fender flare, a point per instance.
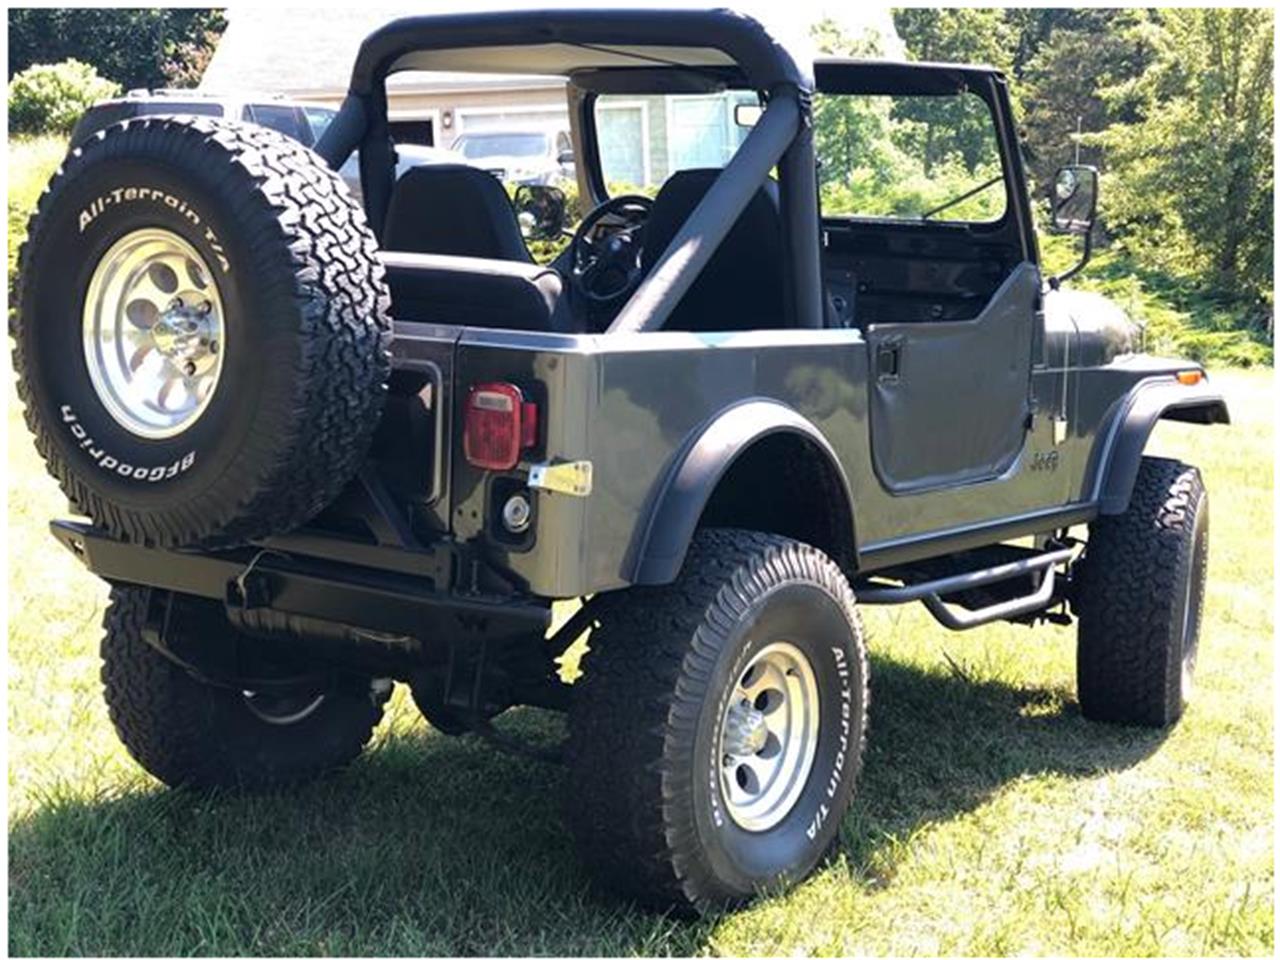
(1148, 402)
(698, 467)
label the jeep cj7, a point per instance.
(324, 447)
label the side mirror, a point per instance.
(1073, 201)
(565, 158)
(1073, 207)
(540, 211)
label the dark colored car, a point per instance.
(324, 447)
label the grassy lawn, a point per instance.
(991, 819)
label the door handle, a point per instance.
(888, 361)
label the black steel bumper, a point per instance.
(402, 593)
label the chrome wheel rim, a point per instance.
(768, 737)
(154, 333)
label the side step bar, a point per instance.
(931, 592)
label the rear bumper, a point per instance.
(292, 579)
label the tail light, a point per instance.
(499, 423)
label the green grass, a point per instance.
(990, 819)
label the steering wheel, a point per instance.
(606, 269)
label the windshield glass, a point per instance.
(477, 146)
(908, 157)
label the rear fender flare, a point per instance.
(698, 467)
(1147, 403)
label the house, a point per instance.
(306, 54)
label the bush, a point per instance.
(50, 97)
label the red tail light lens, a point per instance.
(498, 424)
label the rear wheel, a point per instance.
(186, 731)
(717, 733)
(1139, 598)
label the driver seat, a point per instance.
(456, 210)
(742, 287)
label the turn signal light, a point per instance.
(498, 425)
(1190, 378)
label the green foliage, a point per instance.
(1078, 79)
(1191, 177)
(947, 125)
(136, 47)
(903, 156)
(908, 191)
(1177, 319)
(50, 97)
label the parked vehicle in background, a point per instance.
(408, 155)
(304, 122)
(522, 155)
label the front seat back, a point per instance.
(453, 209)
(741, 288)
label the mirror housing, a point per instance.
(540, 211)
(1073, 208)
(565, 158)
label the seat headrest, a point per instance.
(683, 191)
(456, 210)
(742, 287)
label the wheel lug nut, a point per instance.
(189, 369)
(206, 307)
(213, 346)
(177, 303)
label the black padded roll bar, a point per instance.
(344, 132)
(693, 246)
(801, 224)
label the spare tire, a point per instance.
(202, 332)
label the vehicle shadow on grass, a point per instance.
(436, 845)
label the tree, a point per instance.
(1193, 171)
(948, 125)
(1079, 78)
(129, 46)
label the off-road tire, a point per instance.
(1139, 597)
(644, 801)
(307, 310)
(186, 732)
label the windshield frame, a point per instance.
(1004, 179)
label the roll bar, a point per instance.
(782, 137)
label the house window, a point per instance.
(623, 131)
(643, 140)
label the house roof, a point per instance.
(321, 48)
(311, 50)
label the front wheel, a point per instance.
(1140, 594)
(718, 731)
